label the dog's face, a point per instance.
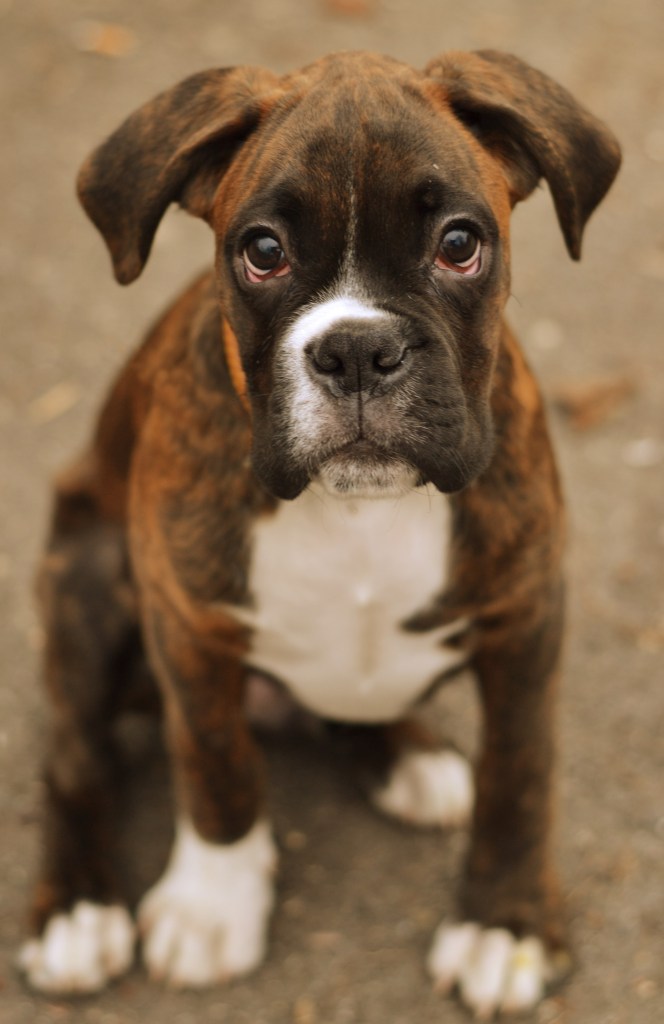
(363, 272)
(361, 215)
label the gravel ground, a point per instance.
(356, 894)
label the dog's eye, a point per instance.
(460, 250)
(264, 258)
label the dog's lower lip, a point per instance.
(362, 449)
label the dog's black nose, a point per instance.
(351, 359)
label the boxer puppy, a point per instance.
(327, 463)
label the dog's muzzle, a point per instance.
(369, 402)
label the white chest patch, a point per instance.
(333, 580)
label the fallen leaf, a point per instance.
(295, 840)
(325, 940)
(105, 38)
(643, 453)
(546, 335)
(648, 638)
(651, 641)
(651, 263)
(293, 907)
(351, 8)
(653, 145)
(645, 988)
(588, 403)
(54, 402)
(304, 1011)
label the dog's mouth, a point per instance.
(361, 469)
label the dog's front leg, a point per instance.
(206, 919)
(511, 940)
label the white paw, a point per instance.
(428, 788)
(80, 951)
(206, 919)
(494, 971)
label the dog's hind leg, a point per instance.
(407, 773)
(84, 935)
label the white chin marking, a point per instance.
(365, 478)
(494, 971)
(80, 951)
(206, 919)
(428, 788)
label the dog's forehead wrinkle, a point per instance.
(365, 103)
(347, 266)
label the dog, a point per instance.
(327, 467)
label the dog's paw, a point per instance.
(494, 971)
(428, 788)
(206, 920)
(80, 951)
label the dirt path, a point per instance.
(355, 895)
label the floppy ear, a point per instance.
(173, 149)
(536, 129)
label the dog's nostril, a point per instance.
(386, 362)
(327, 362)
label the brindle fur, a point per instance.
(151, 530)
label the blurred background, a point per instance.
(358, 897)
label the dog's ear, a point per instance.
(535, 128)
(173, 149)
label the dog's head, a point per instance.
(361, 216)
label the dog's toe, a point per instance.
(206, 920)
(185, 952)
(428, 788)
(80, 951)
(493, 970)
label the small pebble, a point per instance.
(546, 335)
(643, 453)
(295, 840)
(54, 402)
(304, 1011)
(104, 38)
(653, 145)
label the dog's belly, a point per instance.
(333, 581)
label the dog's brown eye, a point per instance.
(264, 258)
(460, 250)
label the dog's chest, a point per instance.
(333, 580)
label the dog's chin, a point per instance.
(367, 476)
